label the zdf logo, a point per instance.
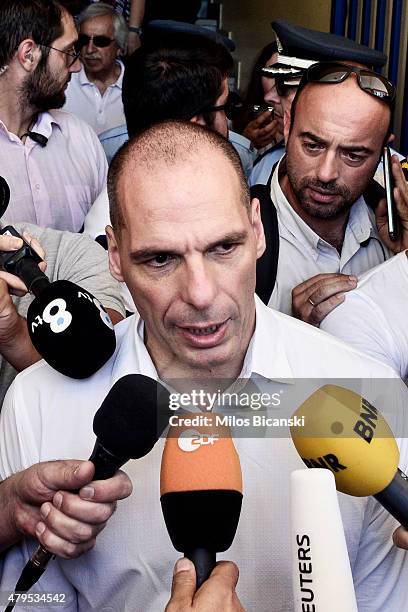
(191, 440)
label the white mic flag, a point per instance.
(321, 568)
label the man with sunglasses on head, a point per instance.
(52, 161)
(95, 93)
(327, 233)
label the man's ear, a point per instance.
(199, 119)
(286, 125)
(257, 226)
(115, 265)
(28, 54)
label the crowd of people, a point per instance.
(127, 178)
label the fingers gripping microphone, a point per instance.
(127, 426)
(321, 573)
(346, 434)
(201, 492)
(67, 325)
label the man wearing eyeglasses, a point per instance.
(95, 93)
(52, 161)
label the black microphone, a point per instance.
(39, 138)
(4, 195)
(67, 325)
(127, 426)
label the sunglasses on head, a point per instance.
(98, 41)
(232, 105)
(331, 72)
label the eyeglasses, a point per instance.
(372, 83)
(283, 87)
(73, 54)
(99, 41)
(232, 105)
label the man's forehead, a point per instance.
(189, 188)
(100, 23)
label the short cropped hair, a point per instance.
(39, 20)
(170, 142)
(101, 9)
(173, 77)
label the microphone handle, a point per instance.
(36, 281)
(204, 563)
(394, 498)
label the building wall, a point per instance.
(249, 21)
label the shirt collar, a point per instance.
(360, 222)
(43, 126)
(266, 353)
(264, 358)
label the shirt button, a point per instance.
(37, 187)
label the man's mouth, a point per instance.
(322, 196)
(204, 336)
(203, 331)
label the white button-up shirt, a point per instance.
(49, 416)
(53, 186)
(85, 101)
(373, 316)
(303, 254)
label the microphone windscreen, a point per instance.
(200, 486)
(200, 458)
(4, 195)
(70, 329)
(343, 432)
(321, 573)
(132, 416)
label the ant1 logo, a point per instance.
(191, 439)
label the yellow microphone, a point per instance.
(200, 491)
(346, 434)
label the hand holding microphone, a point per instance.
(201, 492)
(127, 426)
(68, 327)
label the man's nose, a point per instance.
(200, 287)
(327, 167)
(90, 47)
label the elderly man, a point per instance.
(186, 243)
(95, 93)
(53, 162)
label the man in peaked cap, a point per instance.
(299, 48)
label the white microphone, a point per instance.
(321, 568)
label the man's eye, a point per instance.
(353, 157)
(160, 260)
(313, 147)
(225, 248)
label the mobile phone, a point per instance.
(258, 109)
(392, 215)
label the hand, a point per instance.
(217, 593)
(401, 202)
(65, 523)
(313, 299)
(133, 43)
(263, 131)
(11, 243)
(400, 537)
(15, 344)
